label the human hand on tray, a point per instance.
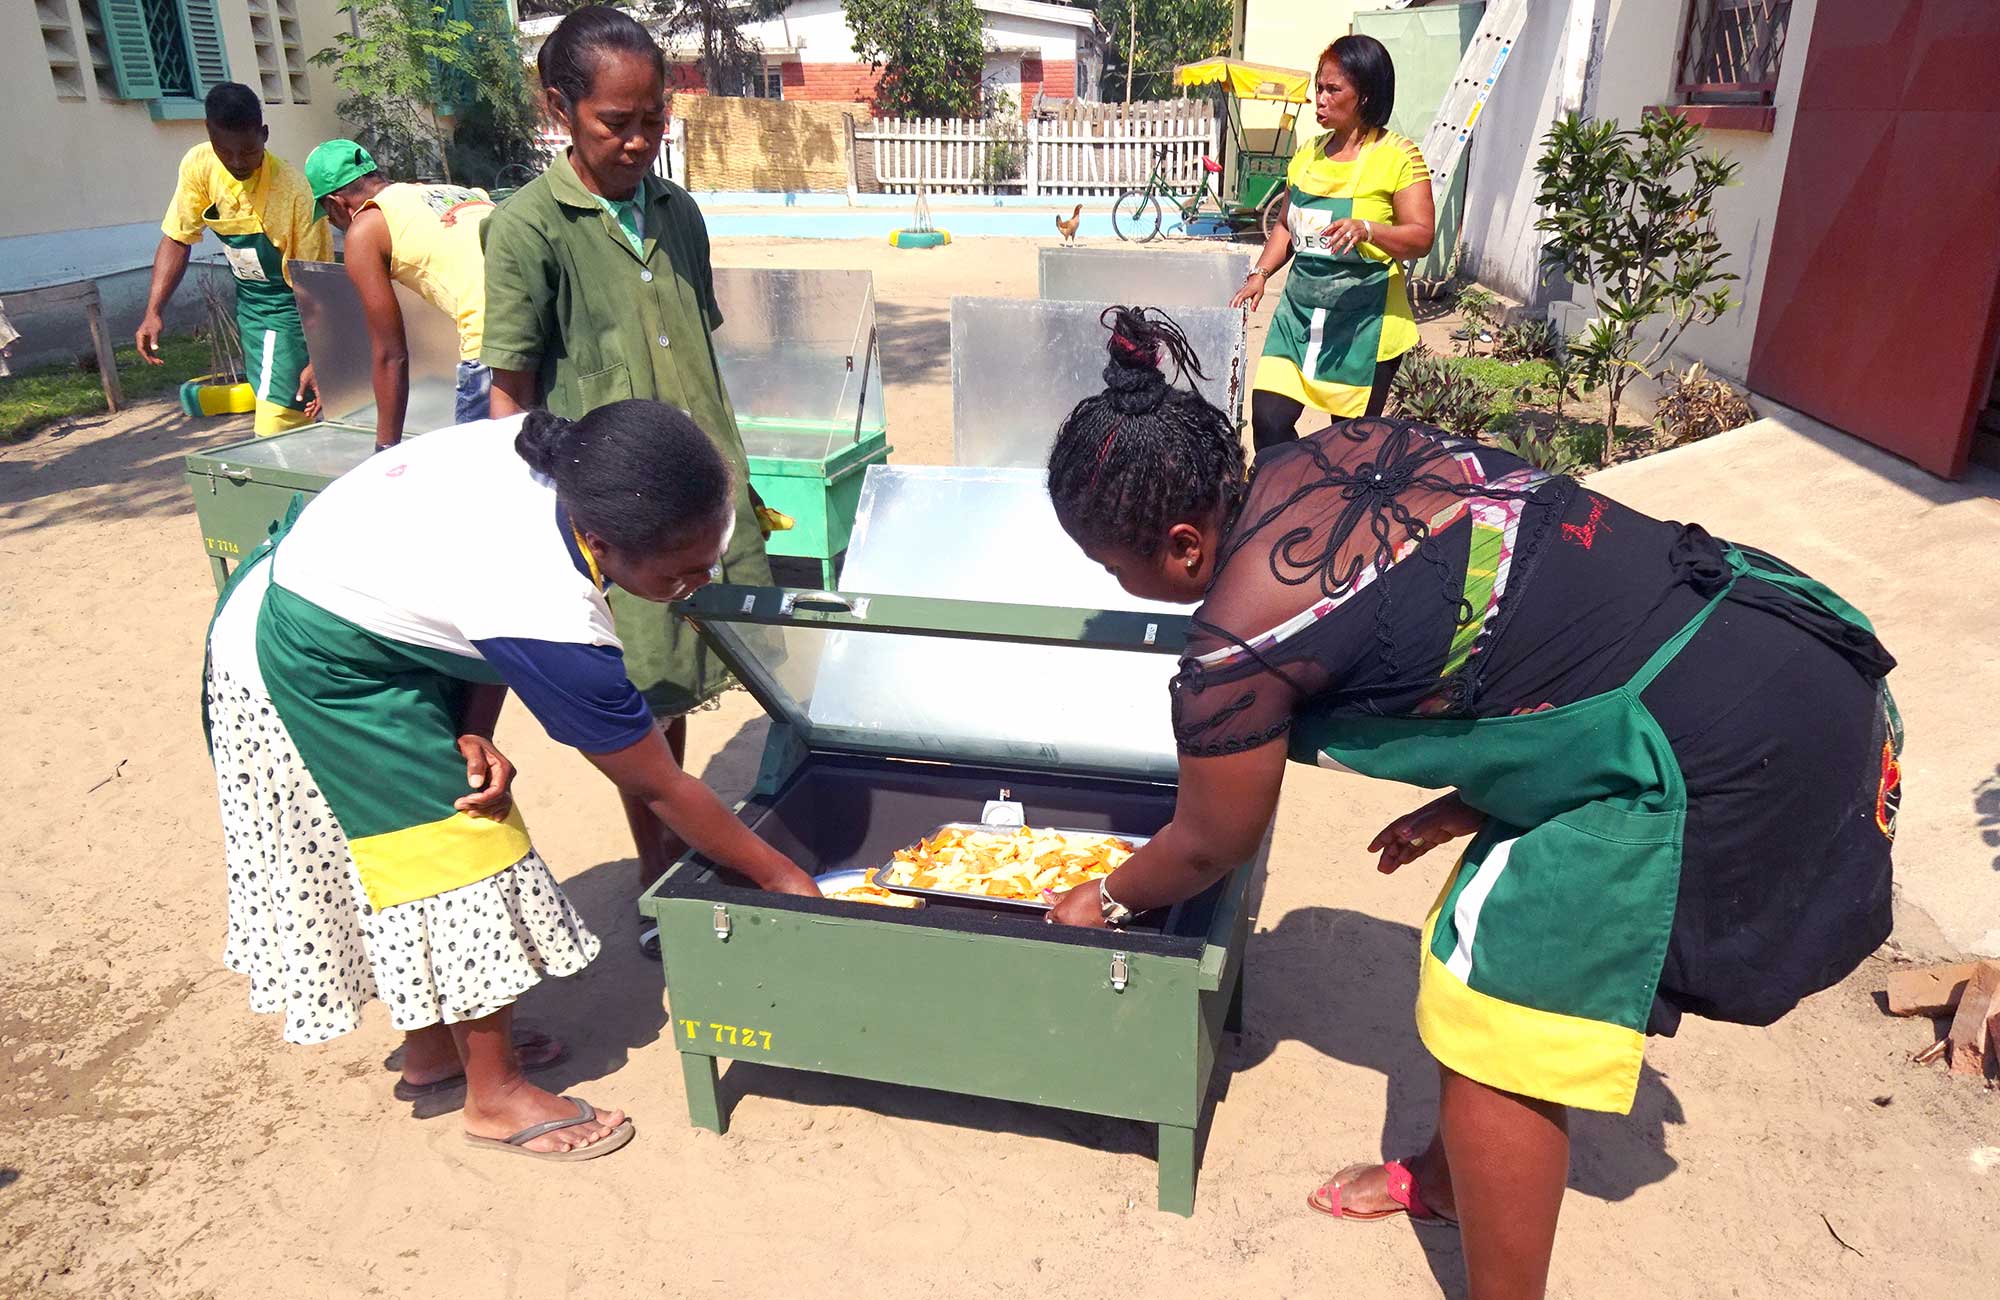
(491, 777)
(1082, 906)
(793, 881)
(1414, 834)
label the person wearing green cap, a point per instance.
(425, 237)
(259, 207)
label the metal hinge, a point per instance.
(722, 922)
(1121, 972)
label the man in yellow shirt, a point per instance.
(425, 237)
(260, 208)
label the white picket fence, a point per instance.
(670, 165)
(1081, 150)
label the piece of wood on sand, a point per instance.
(1928, 990)
(1969, 1027)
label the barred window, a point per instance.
(1731, 50)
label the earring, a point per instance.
(1191, 566)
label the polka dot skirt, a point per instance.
(302, 929)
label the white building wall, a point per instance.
(816, 28)
(1631, 69)
(88, 179)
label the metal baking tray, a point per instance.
(829, 881)
(878, 876)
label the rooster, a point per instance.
(1068, 228)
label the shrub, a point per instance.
(1543, 448)
(1480, 307)
(1528, 340)
(1431, 390)
(1629, 213)
(1697, 405)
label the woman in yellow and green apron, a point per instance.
(1676, 757)
(599, 287)
(1357, 204)
(262, 210)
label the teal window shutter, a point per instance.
(206, 52)
(133, 70)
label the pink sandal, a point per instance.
(1402, 1190)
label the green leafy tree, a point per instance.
(406, 66)
(728, 58)
(931, 54)
(1630, 216)
(1170, 33)
(498, 114)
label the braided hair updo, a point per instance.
(1143, 455)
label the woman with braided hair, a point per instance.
(1676, 758)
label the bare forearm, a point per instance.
(693, 812)
(391, 375)
(482, 710)
(1174, 865)
(1404, 242)
(513, 392)
(1277, 250)
(170, 262)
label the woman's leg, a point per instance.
(1385, 375)
(1274, 418)
(658, 846)
(1509, 1159)
(499, 1102)
(429, 1054)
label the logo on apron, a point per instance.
(244, 263)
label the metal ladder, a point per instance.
(1444, 144)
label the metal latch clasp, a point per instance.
(723, 925)
(1121, 972)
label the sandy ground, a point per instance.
(159, 1140)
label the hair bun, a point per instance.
(542, 440)
(1133, 381)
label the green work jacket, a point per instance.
(568, 299)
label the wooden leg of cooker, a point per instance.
(1232, 1020)
(1177, 1170)
(704, 1093)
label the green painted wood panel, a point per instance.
(1017, 1019)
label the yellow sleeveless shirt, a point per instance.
(434, 250)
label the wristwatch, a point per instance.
(1115, 912)
(1258, 270)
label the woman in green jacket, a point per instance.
(599, 288)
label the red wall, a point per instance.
(842, 82)
(1055, 78)
(1881, 312)
(856, 82)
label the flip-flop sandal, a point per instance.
(585, 1112)
(649, 941)
(1402, 1189)
(523, 1039)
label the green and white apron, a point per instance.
(1339, 315)
(1542, 954)
(267, 318)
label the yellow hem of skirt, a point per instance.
(1562, 1059)
(273, 419)
(424, 861)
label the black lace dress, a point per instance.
(1381, 568)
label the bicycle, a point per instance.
(1136, 215)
